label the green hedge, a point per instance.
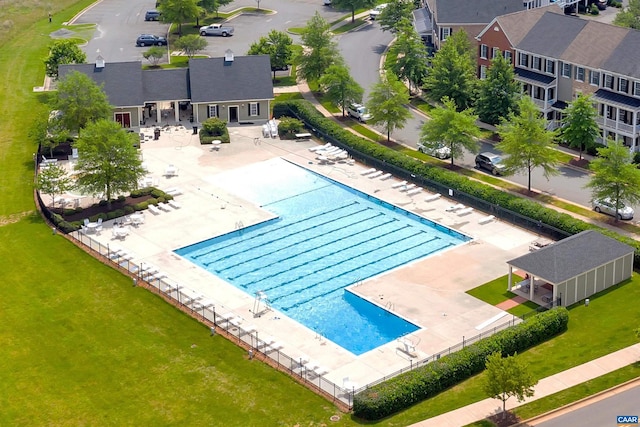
(409, 388)
(529, 208)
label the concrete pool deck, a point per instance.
(430, 292)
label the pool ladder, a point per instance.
(260, 304)
(390, 306)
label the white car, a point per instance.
(607, 206)
(373, 14)
(439, 151)
(358, 111)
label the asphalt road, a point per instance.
(600, 414)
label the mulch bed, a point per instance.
(504, 420)
(104, 209)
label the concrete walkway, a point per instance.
(545, 387)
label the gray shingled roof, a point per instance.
(552, 34)
(166, 85)
(122, 80)
(480, 12)
(624, 59)
(245, 78)
(572, 256)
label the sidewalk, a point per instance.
(545, 387)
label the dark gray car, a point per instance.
(491, 162)
(150, 40)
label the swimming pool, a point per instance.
(325, 237)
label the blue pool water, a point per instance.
(325, 237)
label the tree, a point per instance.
(452, 71)
(80, 101)
(629, 16)
(211, 6)
(352, 5)
(580, 128)
(63, 52)
(278, 45)
(457, 130)
(191, 44)
(386, 103)
(498, 92)
(615, 177)
(506, 377)
(108, 161)
(179, 11)
(411, 56)
(339, 87)
(320, 50)
(527, 142)
(53, 180)
(394, 14)
(154, 54)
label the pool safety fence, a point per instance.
(260, 347)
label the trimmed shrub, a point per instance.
(289, 127)
(121, 198)
(214, 128)
(535, 211)
(128, 209)
(141, 206)
(409, 388)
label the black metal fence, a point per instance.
(269, 350)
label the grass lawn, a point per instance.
(81, 345)
(493, 292)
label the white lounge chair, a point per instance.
(154, 210)
(320, 147)
(399, 184)
(165, 207)
(407, 187)
(385, 176)
(432, 197)
(173, 191)
(454, 208)
(368, 171)
(486, 219)
(375, 174)
(174, 204)
(464, 211)
(414, 191)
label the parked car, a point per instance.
(152, 15)
(438, 150)
(608, 206)
(373, 13)
(491, 162)
(358, 111)
(327, 2)
(216, 30)
(601, 4)
(150, 40)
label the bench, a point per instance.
(301, 136)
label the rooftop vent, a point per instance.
(99, 62)
(228, 55)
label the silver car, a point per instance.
(607, 206)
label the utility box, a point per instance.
(156, 134)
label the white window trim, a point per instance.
(214, 108)
(620, 80)
(636, 89)
(484, 50)
(566, 70)
(591, 80)
(483, 72)
(578, 78)
(553, 66)
(254, 109)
